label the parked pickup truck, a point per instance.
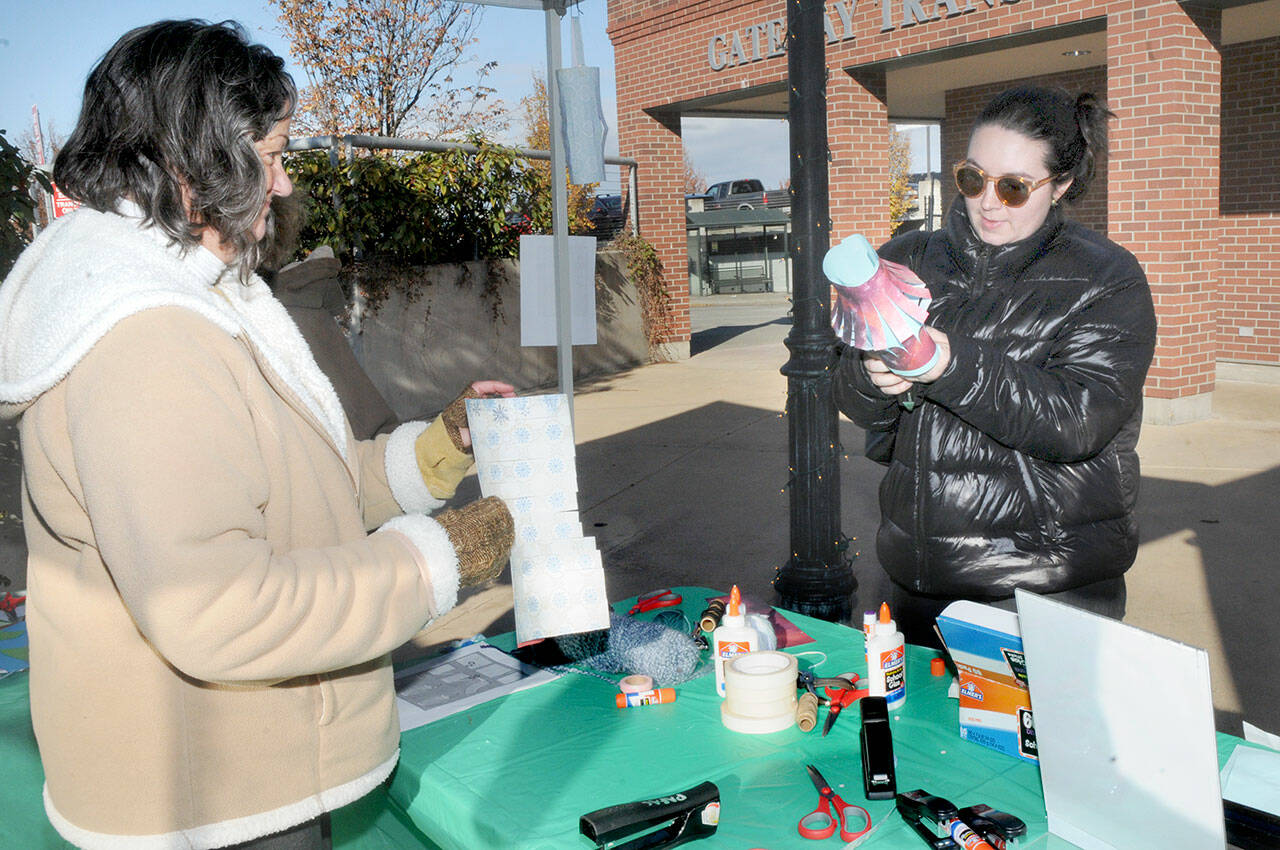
(744, 195)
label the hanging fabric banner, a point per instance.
(582, 116)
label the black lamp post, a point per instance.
(818, 578)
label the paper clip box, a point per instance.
(985, 645)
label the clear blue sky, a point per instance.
(47, 48)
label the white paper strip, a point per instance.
(559, 601)
(511, 479)
(541, 526)
(527, 506)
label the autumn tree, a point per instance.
(695, 182)
(538, 137)
(44, 150)
(386, 67)
(901, 194)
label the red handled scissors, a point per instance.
(664, 598)
(840, 697)
(821, 823)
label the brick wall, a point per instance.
(1249, 203)
(1163, 83)
(858, 138)
(1157, 194)
(659, 55)
(964, 105)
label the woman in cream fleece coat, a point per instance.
(217, 568)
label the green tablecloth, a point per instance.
(518, 771)
(368, 824)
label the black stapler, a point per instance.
(928, 816)
(688, 816)
(1000, 829)
(931, 817)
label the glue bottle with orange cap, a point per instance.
(887, 661)
(733, 637)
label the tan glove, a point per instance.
(454, 418)
(482, 534)
(442, 459)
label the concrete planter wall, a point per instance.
(420, 353)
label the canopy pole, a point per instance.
(559, 212)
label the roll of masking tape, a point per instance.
(636, 684)
(759, 693)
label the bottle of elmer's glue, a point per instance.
(887, 661)
(733, 637)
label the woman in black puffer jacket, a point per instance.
(1012, 460)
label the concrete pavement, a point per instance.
(682, 466)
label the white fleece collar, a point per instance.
(89, 270)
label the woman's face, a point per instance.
(271, 150)
(999, 151)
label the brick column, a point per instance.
(1164, 84)
(858, 136)
(654, 141)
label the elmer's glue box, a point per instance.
(733, 637)
(887, 661)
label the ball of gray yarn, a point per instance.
(636, 647)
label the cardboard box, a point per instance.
(985, 645)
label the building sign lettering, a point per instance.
(768, 39)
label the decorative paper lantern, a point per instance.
(880, 306)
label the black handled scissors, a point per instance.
(821, 823)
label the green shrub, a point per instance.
(415, 210)
(16, 175)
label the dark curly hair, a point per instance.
(178, 105)
(1075, 129)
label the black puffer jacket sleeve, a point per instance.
(1072, 401)
(858, 398)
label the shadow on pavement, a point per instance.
(1234, 527)
(700, 341)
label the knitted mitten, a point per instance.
(454, 417)
(481, 533)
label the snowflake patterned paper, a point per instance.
(520, 428)
(558, 592)
(525, 456)
(532, 477)
(542, 526)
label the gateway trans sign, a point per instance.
(767, 39)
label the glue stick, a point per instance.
(733, 637)
(653, 697)
(887, 661)
(966, 838)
